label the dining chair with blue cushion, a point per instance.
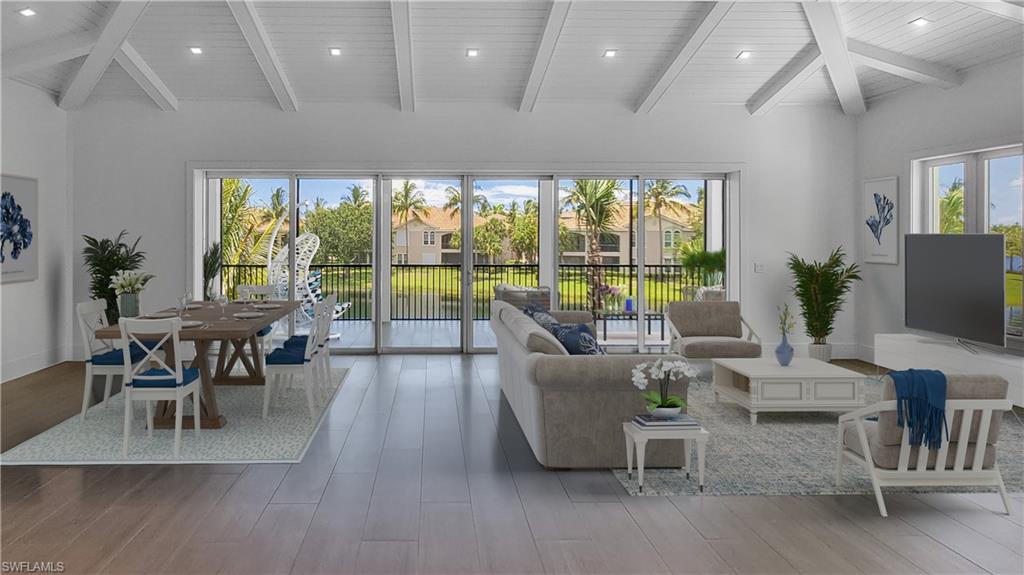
(295, 360)
(142, 382)
(102, 357)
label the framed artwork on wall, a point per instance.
(19, 244)
(880, 236)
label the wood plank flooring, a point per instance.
(420, 468)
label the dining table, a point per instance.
(232, 333)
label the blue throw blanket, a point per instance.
(921, 404)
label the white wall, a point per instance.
(797, 167)
(37, 315)
(986, 111)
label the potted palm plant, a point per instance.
(211, 267)
(104, 259)
(821, 289)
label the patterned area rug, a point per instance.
(789, 454)
(247, 438)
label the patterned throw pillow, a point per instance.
(577, 339)
(533, 308)
(546, 321)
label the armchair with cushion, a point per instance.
(974, 411)
(710, 330)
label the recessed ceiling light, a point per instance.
(472, 52)
(610, 53)
(196, 50)
(27, 11)
(921, 22)
(334, 51)
(744, 54)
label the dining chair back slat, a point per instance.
(92, 315)
(260, 292)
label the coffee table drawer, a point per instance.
(835, 390)
(776, 390)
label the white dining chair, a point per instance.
(162, 383)
(294, 360)
(102, 357)
(260, 293)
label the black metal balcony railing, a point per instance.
(433, 292)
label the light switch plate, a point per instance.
(758, 268)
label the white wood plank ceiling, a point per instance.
(527, 52)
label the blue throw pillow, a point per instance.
(533, 308)
(577, 339)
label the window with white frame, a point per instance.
(429, 238)
(401, 259)
(673, 238)
(981, 192)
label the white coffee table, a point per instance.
(637, 437)
(761, 384)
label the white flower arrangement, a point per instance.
(787, 323)
(131, 282)
(664, 371)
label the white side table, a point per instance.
(637, 437)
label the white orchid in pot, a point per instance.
(660, 403)
(128, 284)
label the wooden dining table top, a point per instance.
(213, 327)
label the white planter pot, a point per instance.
(666, 412)
(820, 351)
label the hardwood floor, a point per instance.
(421, 467)
(36, 402)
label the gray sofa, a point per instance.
(571, 408)
(710, 329)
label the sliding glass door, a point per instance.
(339, 212)
(421, 297)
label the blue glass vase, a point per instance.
(784, 352)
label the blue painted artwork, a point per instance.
(15, 228)
(878, 222)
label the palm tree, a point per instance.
(358, 196)
(454, 202)
(661, 197)
(596, 204)
(951, 209)
(408, 201)
(278, 203)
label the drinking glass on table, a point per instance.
(222, 300)
(186, 299)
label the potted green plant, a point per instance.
(104, 258)
(664, 371)
(211, 267)
(128, 285)
(821, 289)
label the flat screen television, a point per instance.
(955, 286)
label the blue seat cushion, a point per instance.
(116, 356)
(265, 331)
(577, 339)
(188, 375)
(296, 341)
(284, 356)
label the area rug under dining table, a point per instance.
(283, 437)
(790, 454)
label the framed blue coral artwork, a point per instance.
(19, 233)
(880, 221)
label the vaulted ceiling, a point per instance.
(530, 52)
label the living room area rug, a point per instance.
(283, 437)
(789, 453)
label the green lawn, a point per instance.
(1013, 289)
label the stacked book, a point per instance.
(682, 420)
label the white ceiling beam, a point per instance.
(139, 70)
(903, 66)
(48, 53)
(684, 53)
(256, 36)
(831, 40)
(792, 76)
(545, 51)
(118, 24)
(1006, 10)
(401, 24)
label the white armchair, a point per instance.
(884, 449)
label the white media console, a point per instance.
(905, 351)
